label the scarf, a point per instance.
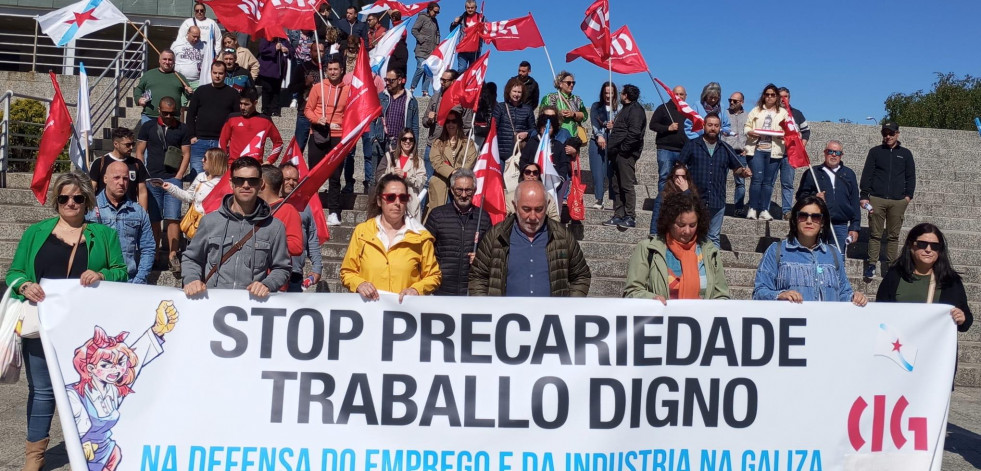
(686, 253)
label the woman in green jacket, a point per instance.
(681, 262)
(58, 248)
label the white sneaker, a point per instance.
(293, 103)
(598, 205)
(765, 215)
(332, 220)
(751, 214)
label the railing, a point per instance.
(124, 71)
(14, 134)
(33, 51)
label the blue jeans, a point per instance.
(841, 231)
(764, 176)
(428, 164)
(715, 225)
(427, 81)
(786, 185)
(601, 170)
(302, 130)
(464, 60)
(665, 159)
(368, 149)
(739, 196)
(40, 395)
(197, 155)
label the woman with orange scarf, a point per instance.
(680, 264)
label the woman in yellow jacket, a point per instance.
(764, 149)
(390, 251)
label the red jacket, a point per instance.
(239, 134)
(290, 218)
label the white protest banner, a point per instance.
(330, 382)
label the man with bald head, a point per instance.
(669, 124)
(188, 58)
(114, 209)
(528, 254)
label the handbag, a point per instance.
(581, 134)
(11, 356)
(577, 209)
(512, 172)
(190, 221)
(173, 156)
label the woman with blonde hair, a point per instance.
(451, 150)
(215, 165)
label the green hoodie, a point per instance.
(647, 272)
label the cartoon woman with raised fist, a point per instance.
(107, 368)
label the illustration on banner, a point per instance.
(107, 368)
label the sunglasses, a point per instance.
(391, 197)
(241, 181)
(735, 101)
(888, 133)
(769, 94)
(814, 217)
(533, 173)
(836, 153)
(126, 144)
(167, 113)
(569, 82)
(78, 199)
(388, 80)
(198, 11)
(408, 139)
(922, 245)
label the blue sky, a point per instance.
(839, 59)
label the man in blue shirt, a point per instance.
(129, 220)
(709, 159)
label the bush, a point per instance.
(952, 104)
(27, 119)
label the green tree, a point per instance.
(951, 104)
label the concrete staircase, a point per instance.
(948, 184)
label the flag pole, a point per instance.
(138, 30)
(320, 69)
(547, 56)
(88, 156)
(657, 88)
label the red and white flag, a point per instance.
(697, 123)
(57, 130)
(624, 56)
(264, 18)
(254, 149)
(384, 5)
(490, 179)
(596, 26)
(443, 57)
(362, 108)
(513, 35)
(796, 152)
(294, 155)
(465, 90)
(543, 157)
(473, 28)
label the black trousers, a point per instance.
(316, 153)
(271, 89)
(623, 182)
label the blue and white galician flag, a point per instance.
(443, 57)
(82, 131)
(543, 157)
(382, 51)
(79, 19)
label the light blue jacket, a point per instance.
(132, 224)
(723, 115)
(817, 275)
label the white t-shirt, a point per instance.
(210, 32)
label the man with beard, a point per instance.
(528, 254)
(311, 248)
(709, 161)
(736, 138)
(457, 226)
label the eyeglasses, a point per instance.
(464, 191)
(814, 217)
(388, 80)
(241, 181)
(391, 197)
(571, 83)
(444, 80)
(922, 245)
(408, 139)
(886, 133)
(78, 199)
(769, 94)
(167, 113)
(735, 101)
(836, 153)
(198, 11)
(126, 144)
(532, 173)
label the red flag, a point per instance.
(54, 137)
(795, 150)
(362, 108)
(294, 155)
(513, 35)
(405, 10)
(490, 179)
(626, 57)
(222, 188)
(472, 28)
(263, 18)
(464, 91)
(697, 123)
(596, 26)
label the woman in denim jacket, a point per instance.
(802, 267)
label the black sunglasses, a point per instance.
(198, 11)
(815, 217)
(922, 245)
(735, 101)
(533, 173)
(408, 139)
(836, 153)
(78, 199)
(391, 197)
(252, 181)
(888, 133)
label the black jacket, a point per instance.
(532, 94)
(668, 140)
(627, 135)
(953, 294)
(888, 173)
(454, 233)
(842, 198)
(560, 160)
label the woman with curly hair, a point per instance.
(680, 262)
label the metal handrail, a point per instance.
(106, 105)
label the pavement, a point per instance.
(962, 450)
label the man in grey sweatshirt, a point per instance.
(262, 265)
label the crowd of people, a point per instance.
(423, 234)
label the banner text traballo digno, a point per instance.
(567, 340)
